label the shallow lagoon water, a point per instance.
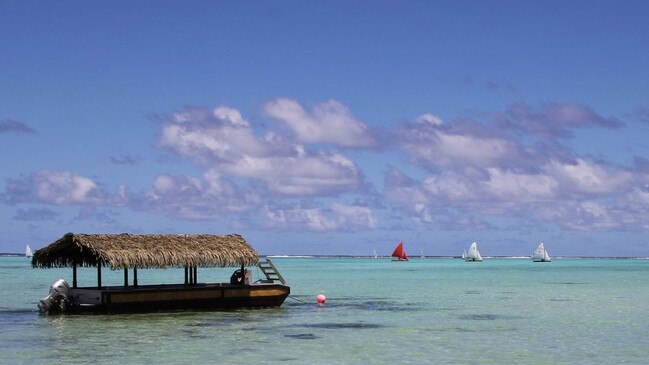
(425, 311)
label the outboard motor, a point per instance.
(58, 301)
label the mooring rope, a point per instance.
(299, 300)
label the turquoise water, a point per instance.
(430, 311)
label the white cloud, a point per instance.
(329, 122)
(434, 143)
(584, 215)
(452, 186)
(207, 138)
(521, 187)
(586, 177)
(224, 141)
(556, 120)
(579, 196)
(337, 217)
(63, 187)
(354, 216)
(194, 199)
(430, 119)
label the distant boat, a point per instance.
(28, 252)
(473, 255)
(540, 254)
(463, 254)
(422, 255)
(399, 253)
(375, 255)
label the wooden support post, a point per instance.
(195, 274)
(186, 275)
(135, 276)
(243, 274)
(126, 277)
(191, 275)
(74, 275)
(99, 275)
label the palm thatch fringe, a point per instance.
(119, 251)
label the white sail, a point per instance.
(463, 254)
(28, 251)
(540, 254)
(473, 254)
(375, 255)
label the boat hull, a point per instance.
(155, 298)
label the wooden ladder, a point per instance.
(270, 271)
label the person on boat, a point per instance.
(237, 277)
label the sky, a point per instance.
(329, 127)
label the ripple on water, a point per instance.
(357, 325)
(302, 336)
(380, 306)
(486, 317)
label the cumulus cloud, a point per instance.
(584, 177)
(337, 217)
(559, 196)
(520, 187)
(498, 188)
(221, 139)
(329, 122)
(432, 142)
(555, 120)
(59, 188)
(190, 198)
(520, 138)
(515, 165)
(14, 126)
(426, 204)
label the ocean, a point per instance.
(425, 311)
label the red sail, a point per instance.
(399, 252)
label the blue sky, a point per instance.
(329, 127)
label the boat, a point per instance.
(399, 254)
(463, 254)
(473, 255)
(375, 255)
(540, 254)
(422, 255)
(133, 252)
(28, 252)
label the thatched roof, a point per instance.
(146, 251)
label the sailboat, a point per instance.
(28, 252)
(472, 254)
(399, 253)
(375, 255)
(422, 255)
(540, 254)
(463, 254)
